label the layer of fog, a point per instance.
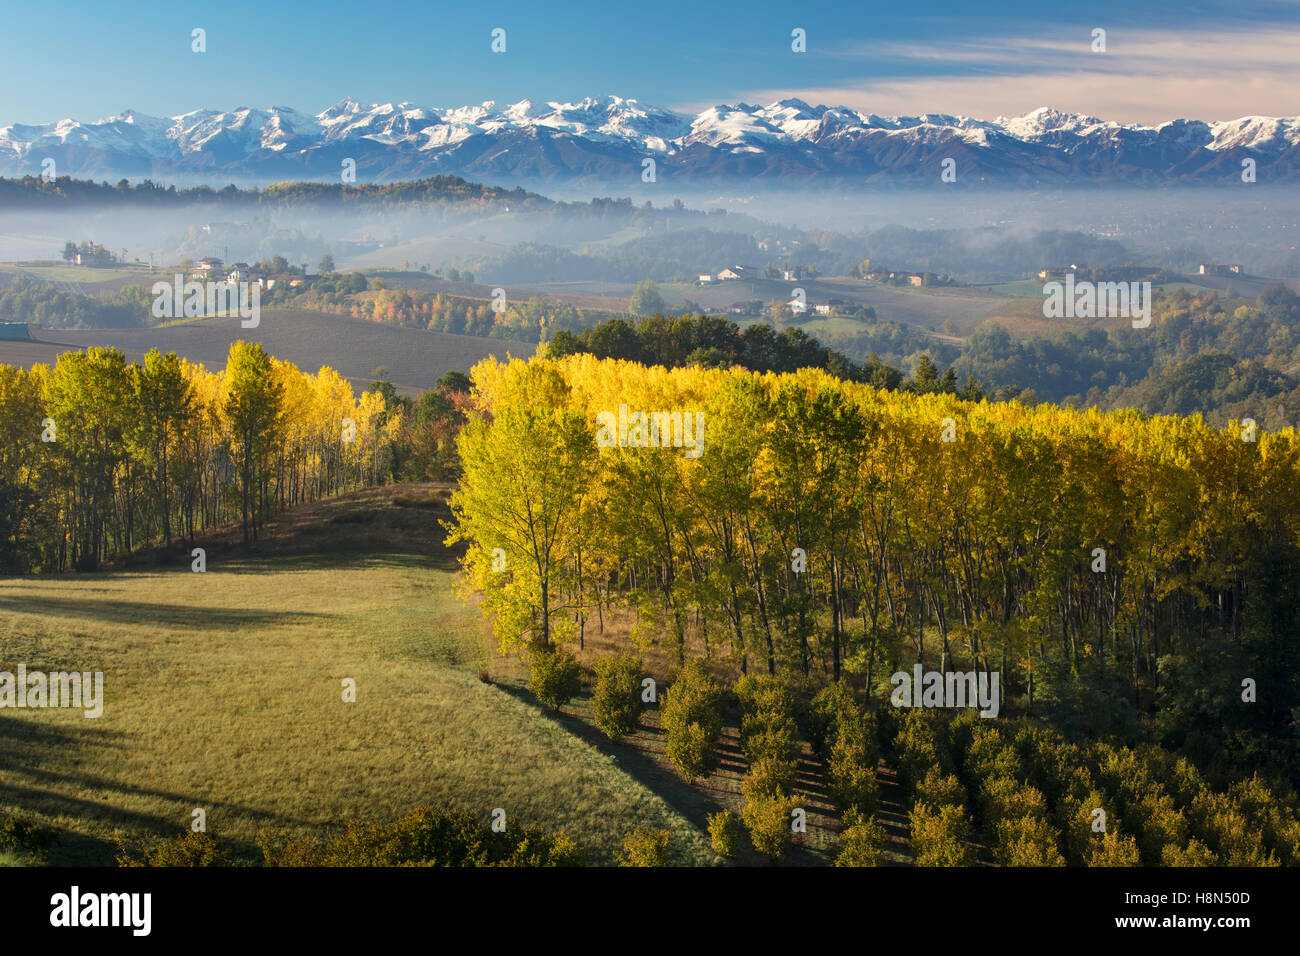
(1255, 225)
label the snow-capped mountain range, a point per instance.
(605, 140)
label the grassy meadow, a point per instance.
(223, 691)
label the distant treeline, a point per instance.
(34, 191)
(1203, 353)
(45, 304)
(713, 342)
(64, 191)
(351, 294)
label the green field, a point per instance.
(91, 277)
(223, 691)
(1019, 288)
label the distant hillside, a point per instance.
(414, 359)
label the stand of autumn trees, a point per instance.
(99, 457)
(1124, 574)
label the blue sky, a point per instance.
(1212, 61)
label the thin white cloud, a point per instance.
(1145, 77)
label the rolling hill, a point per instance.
(414, 359)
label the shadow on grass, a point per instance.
(682, 798)
(54, 794)
(147, 613)
(378, 557)
(691, 801)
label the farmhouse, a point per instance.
(243, 272)
(283, 279)
(913, 278)
(209, 264)
(1207, 269)
(736, 272)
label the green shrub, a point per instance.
(771, 776)
(724, 833)
(768, 820)
(767, 734)
(690, 748)
(917, 748)
(833, 707)
(426, 836)
(1074, 815)
(616, 702)
(556, 677)
(988, 756)
(1183, 780)
(692, 721)
(1114, 849)
(1004, 798)
(1223, 827)
(963, 727)
(851, 771)
(1026, 841)
(694, 697)
(188, 849)
(645, 848)
(940, 789)
(1273, 814)
(758, 693)
(25, 835)
(939, 836)
(1159, 824)
(862, 841)
(1195, 853)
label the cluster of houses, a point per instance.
(210, 267)
(729, 274)
(824, 307)
(1205, 269)
(911, 278)
(733, 273)
(798, 305)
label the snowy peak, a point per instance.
(602, 136)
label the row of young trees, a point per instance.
(99, 456)
(1107, 565)
(1040, 800)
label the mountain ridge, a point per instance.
(606, 139)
